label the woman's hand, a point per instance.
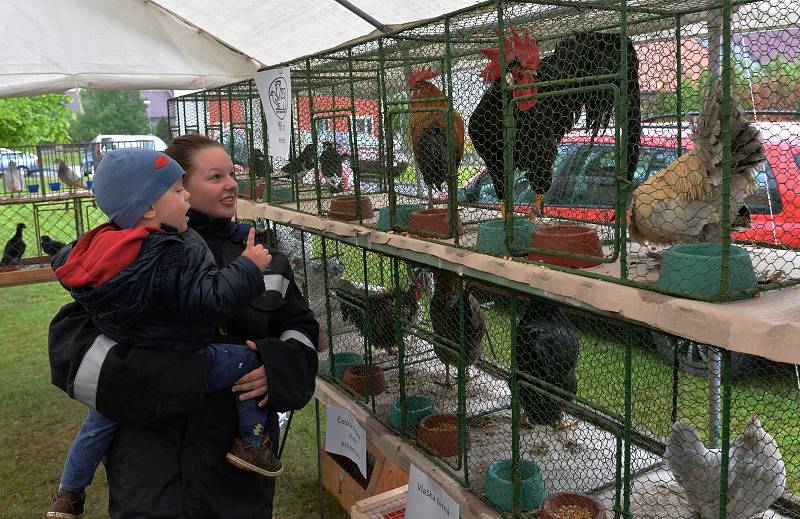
(253, 384)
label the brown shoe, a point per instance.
(66, 506)
(260, 460)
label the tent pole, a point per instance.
(366, 17)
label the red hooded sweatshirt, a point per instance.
(101, 254)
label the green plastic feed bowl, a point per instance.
(499, 490)
(280, 194)
(342, 361)
(492, 236)
(402, 212)
(694, 269)
(419, 407)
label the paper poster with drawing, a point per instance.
(275, 90)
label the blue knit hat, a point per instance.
(129, 180)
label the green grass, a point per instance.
(409, 176)
(39, 421)
(379, 267)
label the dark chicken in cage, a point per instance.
(547, 349)
(683, 202)
(380, 308)
(302, 162)
(330, 162)
(14, 249)
(51, 246)
(541, 122)
(429, 132)
(446, 321)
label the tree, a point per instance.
(34, 120)
(162, 130)
(770, 86)
(118, 112)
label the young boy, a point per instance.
(149, 282)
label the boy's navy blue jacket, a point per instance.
(95, 362)
(154, 288)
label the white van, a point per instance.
(150, 142)
(102, 144)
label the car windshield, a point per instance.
(587, 180)
(583, 176)
(483, 191)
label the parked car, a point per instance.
(27, 163)
(112, 142)
(102, 144)
(584, 188)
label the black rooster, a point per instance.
(446, 317)
(50, 246)
(259, 165)
(382, 313)
(542, 122)
(15, 248)
(547, 349)
(331, 164)
(301, 163)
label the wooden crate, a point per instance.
(388, 505)
(341, 477)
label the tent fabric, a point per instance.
(55, 45)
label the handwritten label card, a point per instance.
(346, 437)
(427, 500)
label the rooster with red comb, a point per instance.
(429, 135)
(541, 121)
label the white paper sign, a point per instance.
(345, 436)
(427, 500)
(275, 90)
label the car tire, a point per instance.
(693, 356)
(23, 170)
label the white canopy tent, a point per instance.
(55, 45)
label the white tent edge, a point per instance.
(200, 44)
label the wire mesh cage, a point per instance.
(46, 199)
(618, 139)
(35, 231)
(537, 407)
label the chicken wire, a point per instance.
(555, 140)
(600, 407)
(47, 188)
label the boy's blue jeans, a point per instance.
(228, 363)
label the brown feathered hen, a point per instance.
(381, 305)
(683, 202)
(446, 318)
(429, 132)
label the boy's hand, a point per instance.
(256, 253)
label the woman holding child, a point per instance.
(168, 456)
